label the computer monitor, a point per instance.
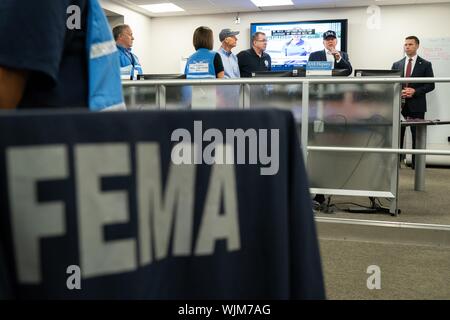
(271, 74)
(289, 43)
(161, 76)
(377, 73)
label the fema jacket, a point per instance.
(200, 65)
(129, 64)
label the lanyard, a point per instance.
(131, 57)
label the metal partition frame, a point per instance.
(244, 101)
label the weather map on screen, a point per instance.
(289, 44)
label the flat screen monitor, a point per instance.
(161, 76)
(272, 74)
(377, 73)
(289, 44)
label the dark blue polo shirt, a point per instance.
(35, 38)
(250, 62)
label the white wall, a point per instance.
(161, 43)
(142, 30)
(171, 37)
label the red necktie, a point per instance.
(408, 70)
(407, 75)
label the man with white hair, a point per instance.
(229, 59)
(339, 59)
(62, 57)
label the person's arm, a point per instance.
(394, 66)
(426, 87)
(344, 63)
(13, 85)
(33, 48)
(218, 66)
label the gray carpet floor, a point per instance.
(431, 206)
(407, 271)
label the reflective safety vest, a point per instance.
(105, 86)
(200, 65)
(130, 66)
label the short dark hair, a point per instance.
(413, 38)
(117, 30)
(256, 35)
(203, 38)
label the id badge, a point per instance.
(135, 74)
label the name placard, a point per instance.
(319, 68)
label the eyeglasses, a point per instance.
(265, 40)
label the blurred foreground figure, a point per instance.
(58, 54)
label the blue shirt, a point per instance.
(35, 38)
(230, 64)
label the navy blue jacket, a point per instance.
(422, 68)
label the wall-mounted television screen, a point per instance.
(290, 43)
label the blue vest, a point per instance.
(129, 64)
(105, 86)
(200, 65)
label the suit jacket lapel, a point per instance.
(324, 55)
(417, 67)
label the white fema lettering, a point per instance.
(191, 150)
(163, 214)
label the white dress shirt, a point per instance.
(330, 57)
(413, 64)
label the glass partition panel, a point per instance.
(178, 97)
(215, 97)
(228, 97)
(140, 98)
(352, 115)
(285, 96)
(183, 97)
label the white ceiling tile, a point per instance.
(196, 7)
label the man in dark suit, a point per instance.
(414, 102)
(339, 58)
